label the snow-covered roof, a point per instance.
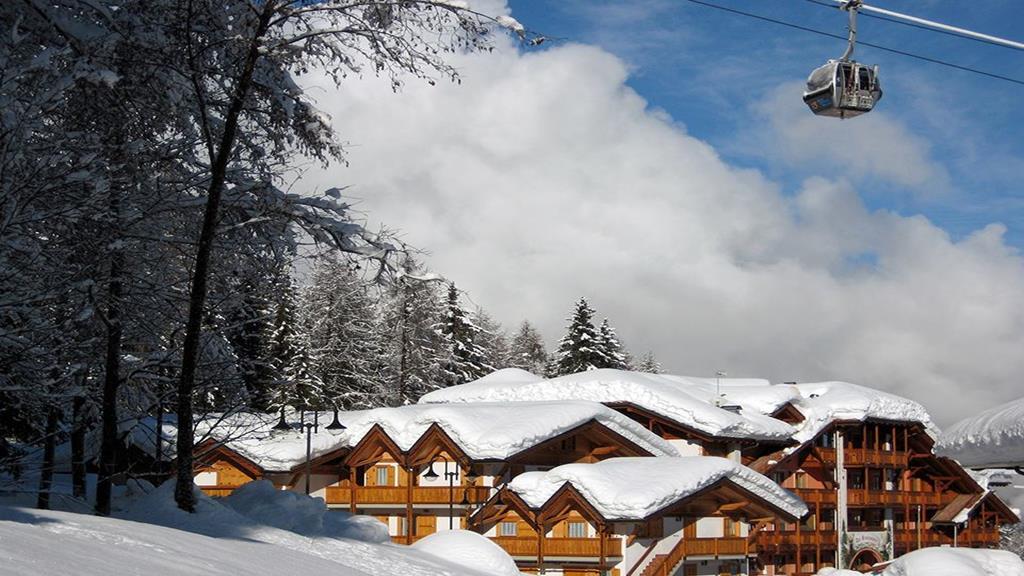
(679, 399)
(611, 486)
(993, 439)
(482, 430)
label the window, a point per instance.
(382, 476)
(577, 529)
(401, 528)
(508, 529)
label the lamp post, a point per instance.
(450, 477)
(309, 441)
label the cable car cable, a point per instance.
(920, 26)
(860, 42)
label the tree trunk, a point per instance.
(111, 381)
(78, 447)
(183, 489)
(46, 471)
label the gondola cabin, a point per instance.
(843, 89)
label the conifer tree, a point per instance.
(339, 319)
(295, 385)
(466, 359)
(610, 348)
(649, 364)
(527, 351)
(413, 347)
(579, 349)
(492, 339)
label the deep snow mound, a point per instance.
(471, 550)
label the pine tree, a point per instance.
(492, 339)
(339, 319)
(649, 364)
(579, 349)
(527, 351)
(413, 348)
(610, 348)
(295, 385)
(466, 359)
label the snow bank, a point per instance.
(287, 510)
(668, 396)
(956, 562)
(471, 550)
(611, 485)
(838, 572)
(992, 439)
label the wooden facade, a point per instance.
(899, 497)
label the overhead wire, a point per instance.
(859, 42)
(919, 26)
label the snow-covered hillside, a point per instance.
(154, 538)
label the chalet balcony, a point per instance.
(715, 547)
(806, 538)
(891, 498)
(399, 495)
(866, 457)
(218, 491)
(560, 547)
(812, 496)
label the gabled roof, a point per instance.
(683, 401)
(635, 489)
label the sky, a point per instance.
(655, 157)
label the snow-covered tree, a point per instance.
(614, 356)
(465, 359)
(649, 364)
(339, 318)
(492, 340)
(580, 349)
(1012, 539)
(527, 350)
(413, 349)
(296, 384)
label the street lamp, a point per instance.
(335, 424)
(281, 424)
(309, 445)
(450, 477)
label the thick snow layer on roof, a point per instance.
(956, 562)
(471, 550)
(994, 438)
(663, 395)
(825, 402)
(483, 430)
(499, 430)
(611, 486)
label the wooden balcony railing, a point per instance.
(866, 457)
(559, 547)
(816, 495)
(664, 564)
(860, 497)
(399, 495)
(218, 491)
(771, 539)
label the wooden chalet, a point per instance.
(899, 497)
(571, 533)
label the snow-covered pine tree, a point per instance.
(492, 339)
(649, 364)
(466, 360)
(413, 349)
(527, 350)
(610, 348)
(580, 348)
(1012, 538)
(339, 319)
(295, 385)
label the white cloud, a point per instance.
(875, 145)
(543, 177)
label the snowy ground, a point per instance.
(948, 562)
(229, 538)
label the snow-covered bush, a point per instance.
(471, 550)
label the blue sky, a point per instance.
(714, 73)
